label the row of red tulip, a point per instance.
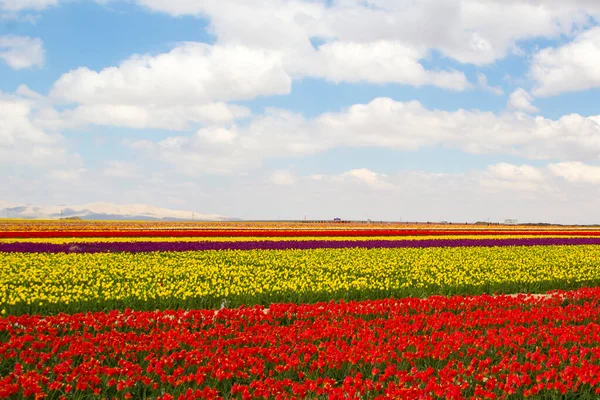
(292, 233)
(458, 347)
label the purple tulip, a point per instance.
(143, 247)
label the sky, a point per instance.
(412, 110)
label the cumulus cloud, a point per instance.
(520, 100)
(559, 180)
(196, 155)
(67, 175)
(409, 126)
(577, 172)
(369, 178)
(570, 67)
(32, 160)
(504, 177)
(521, 173)
(190, 74)
(282, 40)
(120, 169)
(358, 178)
(21, 52)
(22, 142)
(469, 31)
(381, 123)
(20, 5)
(376, 62)
(483, 84)
(174, 118)
(380, 42)
(187, 86)
(282, 177)
(217, 135)
(26, 92)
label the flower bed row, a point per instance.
(266, 238)
(436, 348)
(144, 247)
(51, 283)
(93, 225)
(287, 233)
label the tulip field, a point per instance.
(161, 310)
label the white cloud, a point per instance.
(199, 153)
(21, 52)
(261, 46)
(526, 179)
(570, 67)
(483, 84)
(520, 100)
(499, 186)
(522, 181)
(26, 92)
(120, 169)
(176, 117)
(176, 7)
(576, 172)
(409, 126)
(67, 175)
(559, 180)
(22, 142)
(190, 74)
(469, 31)
(522, 173)
(288, 27)
(282, 177)
(382, 123)
(361, 178)
(376, 62)
(217, 135)
(173, 91)
(371, 179)
(260, 55)
(222, 150)
(192, 82)
(19, 5)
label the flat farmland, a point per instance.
(292, 310)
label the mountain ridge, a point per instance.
(106, 211)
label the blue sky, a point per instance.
(457, 110)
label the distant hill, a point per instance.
(105, 211)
